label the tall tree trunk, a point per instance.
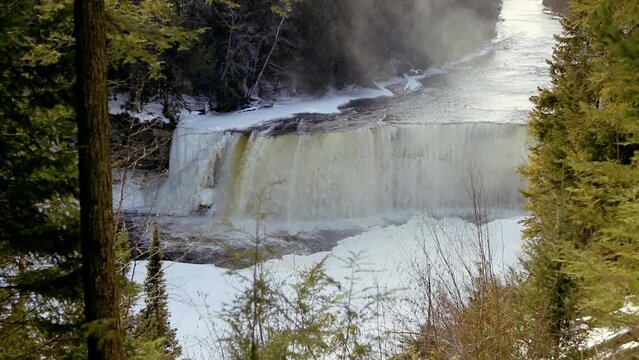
(98, 245)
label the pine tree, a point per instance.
(583, 172)
(550, 230)
(154, 318)
(39, 228)
(40, 278)
(607, 162)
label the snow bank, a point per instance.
(328, 104)
(198, 292)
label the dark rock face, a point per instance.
(232, 249)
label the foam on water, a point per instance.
(343, 175)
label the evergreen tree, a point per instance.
(550, 229)
(40, 282)
(582, 172)
(39, 228)
(154, 318)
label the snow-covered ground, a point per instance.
(197, 293)
(328, 104)
(386, 256)
(597, 338)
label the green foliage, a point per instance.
(39, 233)
(154, 325)
(140, 335)
(40, 287)
(309, 317)
(141, 31)
(582, 174)
(283, 8)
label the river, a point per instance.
(381, 179)
(323, 177)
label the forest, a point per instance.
(65, 255)
(251, 50)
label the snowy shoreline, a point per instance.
(288, 107)
(198, 293)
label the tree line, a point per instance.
(583, 241)
(62, 288)
(249, 49)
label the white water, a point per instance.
(413, 154)
(343, 175)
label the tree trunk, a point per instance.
(268, 59)
(98, 245)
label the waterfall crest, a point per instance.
(346, 174)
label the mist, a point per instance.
(249, 51)
(358, 41)
(415, 32)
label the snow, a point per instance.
(597, 340)
(422, 75)
(630, 307)
(284, 108)
(598, 336)
(197, 293)
(629, 345)
(150, 111)
(412, 84)
(328, 104)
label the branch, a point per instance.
(268, 58)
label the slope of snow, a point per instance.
(197, 293)
(327, 104)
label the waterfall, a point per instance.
(350, 174)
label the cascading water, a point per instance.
(376, 162)
(413, 153)
(346, 174)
